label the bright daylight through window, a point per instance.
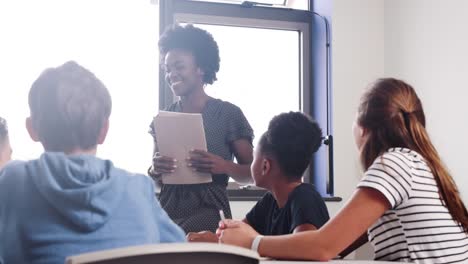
(117, 40)
(247, 84)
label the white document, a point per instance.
(176, 135)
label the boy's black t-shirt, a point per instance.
(304, 206)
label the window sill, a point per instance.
(239, 195)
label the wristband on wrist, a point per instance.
(256, 243)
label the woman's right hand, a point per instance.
(163, 164)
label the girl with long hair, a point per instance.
(407, 200)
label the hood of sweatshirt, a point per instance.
(82, 188)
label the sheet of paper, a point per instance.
(176, 135)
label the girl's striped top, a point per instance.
(418, 227)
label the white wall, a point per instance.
(426, 44)
(357, 50)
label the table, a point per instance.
(341, 261)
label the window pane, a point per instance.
(117, 40)
(259, 72)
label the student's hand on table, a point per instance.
(236, 233)
(163, 164)
(203, 236)
(203, 161)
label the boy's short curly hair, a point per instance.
(197, 41)
(3, 130)
(291, 139)
(69, 107)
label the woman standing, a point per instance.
(191, 61)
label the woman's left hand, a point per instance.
(203, 161)
(236, 233)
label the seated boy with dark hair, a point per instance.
(5, 148)
(280, 159)
(68, 201)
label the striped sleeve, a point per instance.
(390, 174)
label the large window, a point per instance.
(267, 56)
(117, 40)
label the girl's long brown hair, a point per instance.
(392, 115)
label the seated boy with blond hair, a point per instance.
(68, 201)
